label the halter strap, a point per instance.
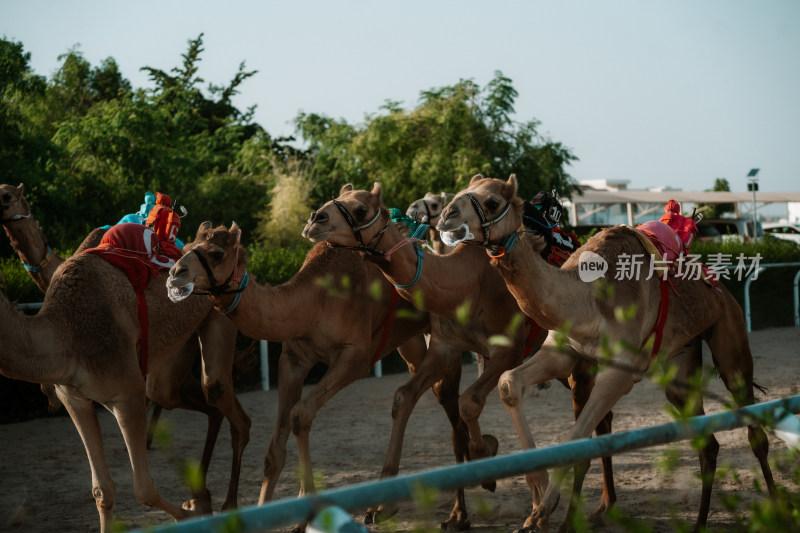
(420, 255)
(235, 303)
(485, 223)
(43, 263)
(370, 246)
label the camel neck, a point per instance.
(28, 241)
(273, 313)
(549, 295)
(444, 281)
(32, 349)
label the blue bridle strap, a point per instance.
(422, 228)
(38, 268)
(238, 297)
(508, 244)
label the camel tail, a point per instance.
(761, 389)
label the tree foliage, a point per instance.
(87, 145)
(454, 133)
(718, 210)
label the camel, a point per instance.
(491, 211)
(428, 209)
(328, 312)
(470, 306)
(167, 386)
(83, 341)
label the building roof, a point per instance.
(589, 196)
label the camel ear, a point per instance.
(205, 226)
(475, 178)
(21, 187)
(234, 227)
(346, 187)
(512, 181)
(377, 191)
(443, 196)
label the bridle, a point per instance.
(370, 247)
(224, 288)
(428, 214)
(16, 218)
(486, 222)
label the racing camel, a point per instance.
(489, 212)
(172, 387)
(84, 341)
(470, 307)
(164, 388)
(333, 311)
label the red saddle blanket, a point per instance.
(140, 253)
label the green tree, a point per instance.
(717, 210)
(454, 133)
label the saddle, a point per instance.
(140, 253)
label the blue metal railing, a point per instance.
(291, 511)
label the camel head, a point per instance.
(13, 205)
(211, 263)
(352, 219)
(485, 212)
(430, 206)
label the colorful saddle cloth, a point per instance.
(140, 253)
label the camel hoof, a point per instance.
(455, 524)
(381, 514)
(491, 442)
(230, 506)
(198, 506)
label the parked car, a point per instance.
(790, 232)
(723, 229)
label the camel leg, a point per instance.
(292, 371)
(580, 384)
(440, 369)
(350, 365)
(689, 361)
(162, 391)
(446, 392)
(155, 417)
(730, 349)
(548, 363)
(84, 417)
(611, 385)
(218, 343)
(131, 416)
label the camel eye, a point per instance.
(360, 212)
(217, 255)
(435, 205)
(491, 205)
(6, 198)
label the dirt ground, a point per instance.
(45, 480)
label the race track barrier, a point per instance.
(292, 511)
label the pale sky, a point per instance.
(675, 92)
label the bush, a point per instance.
(771, 299)
(275, 265)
